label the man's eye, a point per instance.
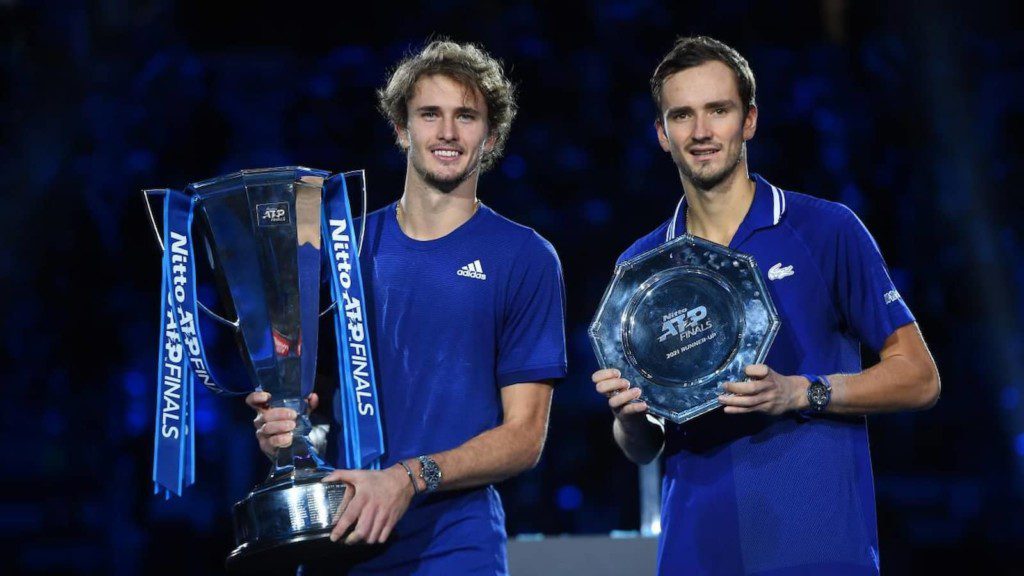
(429, 115)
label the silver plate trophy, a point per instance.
(260, 231)
(681, 320)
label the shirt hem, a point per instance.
(551, 372)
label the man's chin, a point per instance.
(444, 184)
(708, 179)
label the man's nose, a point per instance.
(702, 128)
(448, 131)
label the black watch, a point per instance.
(430, 472)
(819, 393)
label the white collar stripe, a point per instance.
(776, 205)
(671, 232)
(778, 209)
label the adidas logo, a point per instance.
(472, 270)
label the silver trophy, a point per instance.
(681, 320)
(262, 234)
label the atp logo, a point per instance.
(272, 214)
(684, 323)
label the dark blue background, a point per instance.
(909, 113)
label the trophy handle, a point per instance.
(362, 228)
(146, 195)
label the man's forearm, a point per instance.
(505, 450)
(641, 441)
(904, 379)
(890, 386)
(492, 456)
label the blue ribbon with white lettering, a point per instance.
(183, 359)
(363, 436)
(174, 377)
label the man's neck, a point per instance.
(426, 213)
(716, 214)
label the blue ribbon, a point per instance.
(183, 359)
(172, 438)
(363, 438)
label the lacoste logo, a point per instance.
(472, 270)
(777, 272)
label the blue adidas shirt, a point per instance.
(455, 319)
(788, 495)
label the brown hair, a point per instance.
(468, 65)
(696, 50)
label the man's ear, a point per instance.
(750, 123)
(402, 137)
(663, 139)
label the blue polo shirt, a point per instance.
(787, 495)
(454, 321)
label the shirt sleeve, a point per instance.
(868, 300)
(648, 242)
(531, 344)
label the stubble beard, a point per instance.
(707, 181)
(443, 184)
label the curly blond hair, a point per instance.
(467, 64)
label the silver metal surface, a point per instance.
(271, 514)
(682, 319)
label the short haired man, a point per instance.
(779, 481)
(467, 311)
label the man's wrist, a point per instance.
(803, 383)
(632, 423)
(635, 424)
(408, 477)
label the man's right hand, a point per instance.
(640, 438)
(610, 383)
(274, 425)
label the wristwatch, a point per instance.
(430, 472)
(819, 393)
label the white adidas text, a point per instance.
(473, 270)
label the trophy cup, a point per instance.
(263, 232)
(682, 319)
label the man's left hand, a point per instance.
(766, 391)
(374, 502)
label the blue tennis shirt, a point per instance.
(454, 320)
(787, 495)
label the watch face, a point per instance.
(431, 473)
(818, 395)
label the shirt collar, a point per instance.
(766, 210)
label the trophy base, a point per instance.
(279, 526)
(283, 556)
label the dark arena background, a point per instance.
(911, 113)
